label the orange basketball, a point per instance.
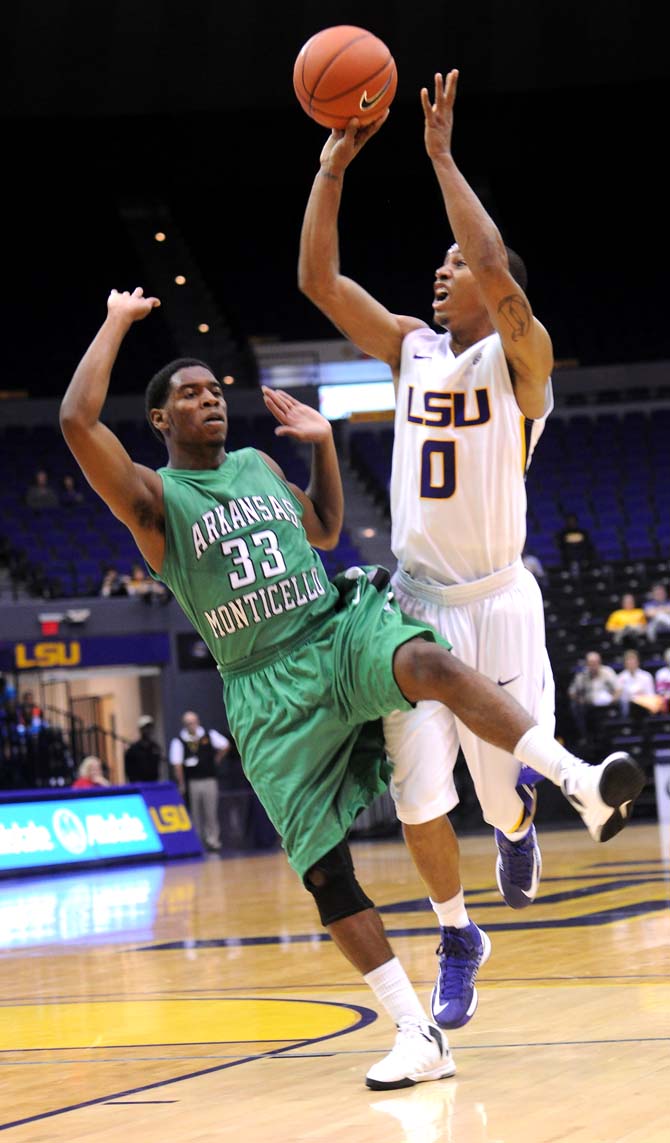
(344, 72)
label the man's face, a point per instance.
(191, 722)
(456, 295)
(631, 661)
(195, 410)
(593, 663)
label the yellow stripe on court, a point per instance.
(110, 1023)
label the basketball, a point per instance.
(342, 72)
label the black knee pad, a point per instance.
(333, 885)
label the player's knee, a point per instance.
(333, 885)
(421, 669)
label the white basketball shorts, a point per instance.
(496, 625)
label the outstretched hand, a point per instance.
(296, 420)
(342, 146)
(132, 307)
(439, 115)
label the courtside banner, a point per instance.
(89, 651)
(171, 819)
(46, 832)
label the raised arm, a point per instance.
(358, 315)
(525, 341)
(323, 500)
(133, 492)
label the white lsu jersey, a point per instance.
(461, 451)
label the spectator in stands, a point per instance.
(575, 545)
(69, 493)
(534, 565)
(195, 755)
(112, 582)
(662, 681)
(90, 774)
(29, 712)
(143, 758)
(41, 494)
(140, 584)
(657, 612)
(593, 689)
(633, 683)
(627, 622)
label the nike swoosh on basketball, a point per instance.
(365, 103)
(504, 682)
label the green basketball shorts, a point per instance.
(308, 724)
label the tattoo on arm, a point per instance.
(515, 311)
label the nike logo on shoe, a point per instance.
(531, 892)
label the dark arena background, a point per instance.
(159, 143)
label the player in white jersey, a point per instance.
(470, 405)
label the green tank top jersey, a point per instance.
(239, 563)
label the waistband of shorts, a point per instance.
(273, 654)
(453, 594)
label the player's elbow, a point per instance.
(73, 424)
(315, 281)
(308, 284)
(68, 419)
(331, 540)
(329, 535)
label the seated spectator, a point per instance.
(575, 545)
(90, 774)
(633, 683)
(662, 681)
(69, 493)
(657, 612)
(112, 583)
(592, 689)
(627, 622)
(139, 583)
(40, 493)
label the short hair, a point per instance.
(156, 392)
(90, 763)
(516, 265)
(517, 268)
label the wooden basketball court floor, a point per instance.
(200, 1001)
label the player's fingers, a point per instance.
(373, 128)
(425, 102)
(283, 400)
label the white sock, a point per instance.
(391, 985)
(452, 914)
(539, 749)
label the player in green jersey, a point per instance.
(309, 667)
